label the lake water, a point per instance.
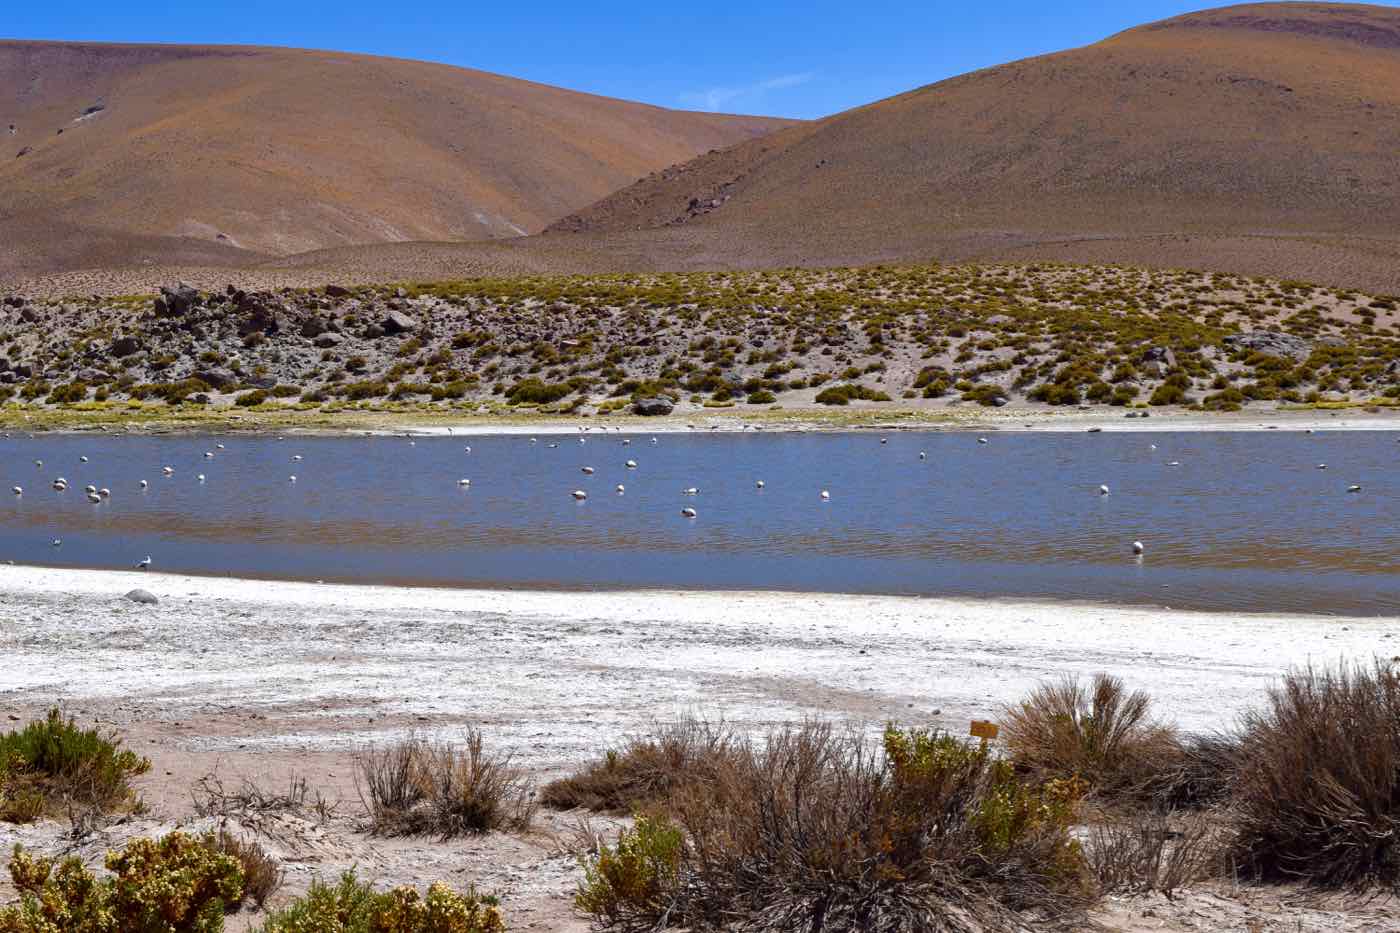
(1230, 521)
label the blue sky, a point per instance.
(798, 59)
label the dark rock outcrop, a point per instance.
(1271, 342)
(653, 406)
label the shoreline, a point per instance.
(807, 419)
(762, 655)
(474, 591)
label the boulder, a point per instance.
(260, 382)
(261, 321)
(125, 346)
(396, 322)
(14, 301)
(313, 326)
(177, 301)
(653, 406)
(337, 291)
(24, 370)
(28, 315)
(215, 378)
(92, 376)
(1163, 355)
(142, 597)
(1271, 342)
(327, 340)
(4, 365)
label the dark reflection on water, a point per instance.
(1243, 521)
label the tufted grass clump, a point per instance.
(353, 906)
(1098, 732)
(176, 884)
(447, 789)
(817, 830)
(52, 763)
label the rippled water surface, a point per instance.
(1242, 521)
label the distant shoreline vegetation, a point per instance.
(1057, 335)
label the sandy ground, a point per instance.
(269, 679)
(915, 416)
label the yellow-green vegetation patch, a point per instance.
(52, 763)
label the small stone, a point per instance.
(143, 597)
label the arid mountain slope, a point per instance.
(1242, 127)
(226, 155)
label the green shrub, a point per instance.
(536, 392)
(353, 906)
(51, 760)
(68, 394)
(762, 397)
(635, 881)
(845, 393)
(985, 394)
(176, 884)
(285, 391)
(251, 398)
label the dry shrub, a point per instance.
(1199, 776)
(1100, 733)
(647, 771)
(1317, 793)
(211, 797)
(1153, 851)
(821, 831)
(262, 874)
(419, 787)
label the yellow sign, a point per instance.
(984, 730)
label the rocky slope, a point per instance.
(921, 335)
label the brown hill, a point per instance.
(126, 155)
(1259, 138)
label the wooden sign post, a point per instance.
(984, 730)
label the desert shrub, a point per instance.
(359, 391)
(1151, 850)
(1099, 732)
(285, 391)
(1199, 776)
(843, 394)
(1317, 790)
(262, 874)
(814, 830)
(635, 882)
(762, 397)
(353, 906)
(445, 789)
(985, 394)
(68, 394)
(175, 884)
(648, 770)
(250, 398)
(51, 762)
(537, 392)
